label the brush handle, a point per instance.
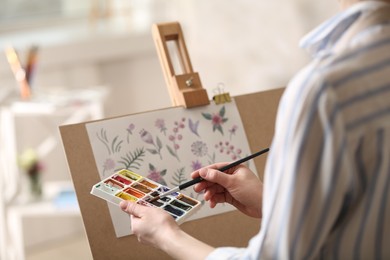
(190, 183)
(224, 168)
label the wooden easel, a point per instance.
(261, 106)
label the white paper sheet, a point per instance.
(166, 146)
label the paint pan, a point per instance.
(157, 203)
(104, 187)
(113, 184)
(149, 184)
(164, 189)
(122, 180)
(134, 192)
(187, 200)
(130, 175)
(181, 205)
(141, 188)
(173, 210)
(126, 196)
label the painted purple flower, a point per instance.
(130, 128)
(156, 175)
(193, 126)
(108, 165)
(233, 131)
(160, 124)
(146, 137)
(196, 165)
(129, 131)
(176, 137)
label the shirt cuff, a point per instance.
(226, 253)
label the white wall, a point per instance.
(247, 45)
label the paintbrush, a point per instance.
(199, 179)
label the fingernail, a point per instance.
(123, 204)
(203, 172)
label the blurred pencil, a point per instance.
(31, 64)
(19, 72)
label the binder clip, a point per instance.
(185, 89)
(221, 97)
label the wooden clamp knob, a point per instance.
(184, 85)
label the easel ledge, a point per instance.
(257, 111)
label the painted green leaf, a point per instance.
(171, 151)
(222, 111)
(152, 151)
(207, 116)
(132, 160)
(219, 128)
(159, 144)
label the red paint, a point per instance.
(121, 179)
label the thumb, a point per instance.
(213, 175)
(130, 208)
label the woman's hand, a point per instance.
(238, 186)
(155, 227)
(149, 223)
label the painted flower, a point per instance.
(217, 119)
(129, 131)
(199, 148)
(156, 175)
(175, 137)
(160, 124)
(108, 164)
(196, 165)
(146, 137)
(233, 130)
(130, 128)
(193, 126)
(228, 149)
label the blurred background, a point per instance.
(90, 59)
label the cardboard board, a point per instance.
(257, 110)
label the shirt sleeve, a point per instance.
(306, 176)
(307, 183)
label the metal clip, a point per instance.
(221, 97)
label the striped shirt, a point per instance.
(327, 179)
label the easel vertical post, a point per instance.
(185, 89)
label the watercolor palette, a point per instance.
(127, 185)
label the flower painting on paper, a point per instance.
(217, 119)
(167, 145)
